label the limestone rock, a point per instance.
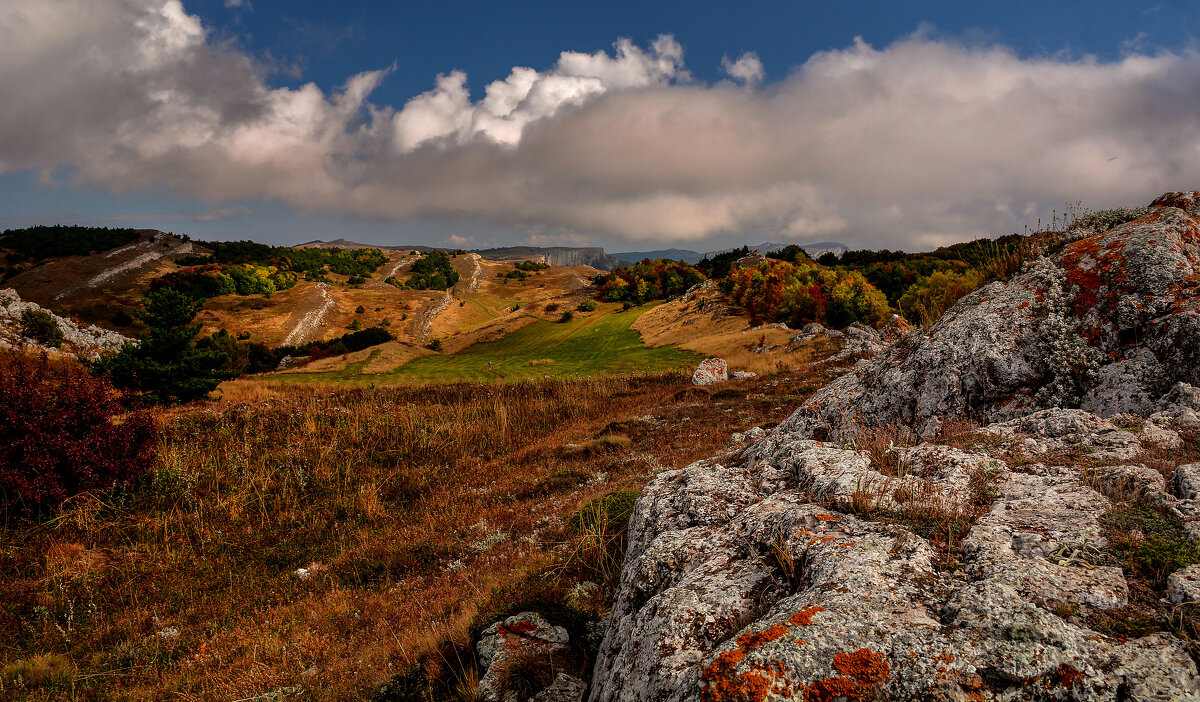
(1109, 323)
(760, 574)
(88, 341)
(565, 688)
(1131, 482)
(751, 259)
(711, 371)
(1154, 434)
(524, 634)
(1059, 431)
(1184, 585)
(743, 375)
(1187, 481)
(736, 580)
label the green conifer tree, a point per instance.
(166, 367)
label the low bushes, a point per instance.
(63, 432)
(41, 327)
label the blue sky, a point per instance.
(209, 134)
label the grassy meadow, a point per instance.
(322, 544)
(591, 344)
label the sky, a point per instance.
(627, 125)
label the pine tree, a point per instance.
(166, 367)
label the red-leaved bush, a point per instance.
(63, 432)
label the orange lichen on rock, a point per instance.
(722, 682)
(519, 628)
(862, 674)
(758, 638)
(864, 665)
(510, 634)
(804, 616)
(1067, 676)
(827, 517)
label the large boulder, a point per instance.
(1110, 323)
(765, 573)
(747, 578)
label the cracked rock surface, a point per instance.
(792, 568)
(748, 579)
(1110, 323)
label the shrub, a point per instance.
(800, 293)
(926, 300)
(360, 309)
(587, 306)
(166, 367)
(40, 326)
(63, 432)
(1149, 543)
(433, 272)
(566, 316)
(1106, 220)
(435, 345)
(659, 279)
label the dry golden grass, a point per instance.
(418, 513)
(706, 325)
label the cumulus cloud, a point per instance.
(748, 68)
(447, 115)
(914, 144)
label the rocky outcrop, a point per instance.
(593, 256)
(87, 341)
(1108, 324)
(749, 579)
(793, 568)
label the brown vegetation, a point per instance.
(328, 541)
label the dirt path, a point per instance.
(422, 322)
(389, 270)
(310, 316)
(136, 263)
(463, 287)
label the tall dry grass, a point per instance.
(407, 508)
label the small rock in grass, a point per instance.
(1184, 585)
(1159, 436)
(710, 371)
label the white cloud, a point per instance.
(914, 144)
(446, 113)
(748, 68)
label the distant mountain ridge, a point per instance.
(815, 250)
(593, 256)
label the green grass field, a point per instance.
(599, 343)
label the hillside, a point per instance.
(94, 286)
(1001, 505)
